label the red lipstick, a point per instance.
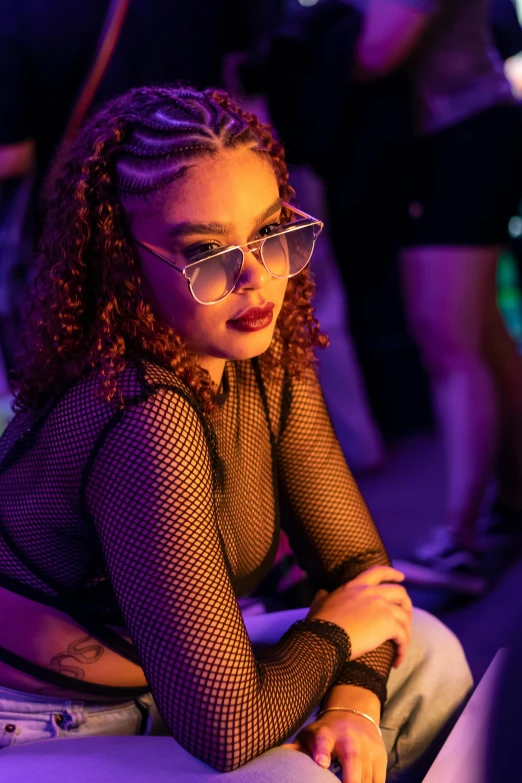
(253, 319)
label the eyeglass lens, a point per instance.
(213, 278)
(284, 255)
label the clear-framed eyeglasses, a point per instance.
(284, 253)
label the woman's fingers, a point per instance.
(379, 769)
(376, 575)
(396, 594)
(402, 632)
(351, 764)
(403, 618)
(317, 600)
(295, 746)
(321, 746)
(318, 597)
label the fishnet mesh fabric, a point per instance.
(325, 517)
(156, 519)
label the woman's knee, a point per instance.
(286, 764)
(425, 692)
(438, 653)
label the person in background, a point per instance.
(339, 372)
(507, 33)
(467, 162)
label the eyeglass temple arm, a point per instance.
(300, 211)
(158, 255)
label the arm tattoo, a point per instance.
(84, 651)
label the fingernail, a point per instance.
(322, 760)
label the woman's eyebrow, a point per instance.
(185, 228)
(270, 211)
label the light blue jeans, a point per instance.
(423, 693)
(26, 717)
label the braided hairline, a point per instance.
(156, 185)
(89, 310)
(215, 122)
(163, 153)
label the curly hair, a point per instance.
(88, 311)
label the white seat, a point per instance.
(462, 758)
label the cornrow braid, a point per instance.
(88, 309)
(172, 132)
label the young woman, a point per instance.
(168, 419)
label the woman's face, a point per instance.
(229, 198)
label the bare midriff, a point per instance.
(50, 638)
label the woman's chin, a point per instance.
(247, 345)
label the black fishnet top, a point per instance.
(156, 518)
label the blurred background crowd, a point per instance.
(403, 129)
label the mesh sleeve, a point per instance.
(150, 495)
(326, 519)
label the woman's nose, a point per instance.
(254, 274)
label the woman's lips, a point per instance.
(253, 319)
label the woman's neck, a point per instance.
(214, 366)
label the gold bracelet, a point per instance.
(355, 712)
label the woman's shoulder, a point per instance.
(137, 390)
(150, 404)
(81, 413)
(156, 389)
(141, 378)
(145, 376)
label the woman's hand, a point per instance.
(370, 612)
(351, 739)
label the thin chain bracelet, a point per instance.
(355, 712)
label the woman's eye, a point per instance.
(195, 252)
(267, 230)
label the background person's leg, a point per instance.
(339, 371)
(446, 292)
(506, 365)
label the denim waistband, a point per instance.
(30, 703)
